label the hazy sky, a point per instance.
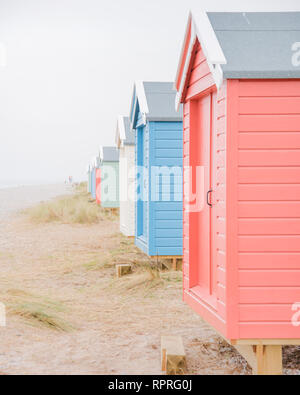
(70, 69)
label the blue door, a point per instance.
(140, 182)
(145, 184)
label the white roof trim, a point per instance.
(120, 132)
(101, 153)
(141, 96)
(183, 46)
(202, 29)
(207, 36)
(185, 69)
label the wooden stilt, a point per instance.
(264, 359)
(174, 265)
(269, 360)
(175, 261)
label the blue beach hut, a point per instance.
(158, 160)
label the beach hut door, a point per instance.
(202, 271)
(143, 186)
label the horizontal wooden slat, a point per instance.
(167, 251)
(159, 143)
(269, 157)
(265, 312)
(167, 126)
(201, 70)
(168, 206)
(269, 295)
(269, 260)
(167, 215)
(168, 153)
(169, 224)
(269, 209)
(270, 88)
(269, 278)
(269, 226)
(269, 123)
(171, 161)
(269, 243)
(169, 242)
(269, 105)
(268, 330)
(269, 140)
(269, 192)
(269, 174)
(203, 84)
(199, 58)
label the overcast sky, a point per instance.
(70, 69)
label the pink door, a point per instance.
(202, 267)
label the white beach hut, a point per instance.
(125, 141)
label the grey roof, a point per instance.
(160, 99)
(257, 44)
(130, 136)
(110, 154)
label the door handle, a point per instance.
(208, 199)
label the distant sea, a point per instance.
(5, 186)
(16, 184)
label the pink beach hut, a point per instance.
(239, 82)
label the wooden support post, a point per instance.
(174, 264)
(123, 270)
(173, 356)
(269, 360)
(263, 359)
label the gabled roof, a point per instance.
(155, 102)
(124, 133)
(109, 154)
(250, 45)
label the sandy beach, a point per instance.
(64, 275)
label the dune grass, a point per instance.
(77, 208)
(36, 310)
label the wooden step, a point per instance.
(173, 358)
(123, 270)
